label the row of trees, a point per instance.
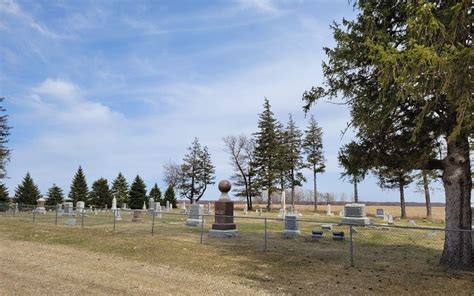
(100, 195)
(274, 157)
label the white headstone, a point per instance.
(151, 204)
(114, 203)
(167, 205)
(144, 206)
(246, 210)
(283, 202)
(118, 214)
(80, 206)
(328, 210)
(390, 219)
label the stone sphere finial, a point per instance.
(224, 186)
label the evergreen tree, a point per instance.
(170, 196)
(55, 196)
(423, 180)
(294, 158)
(79, 190)
(4, 195)
(137, 194)
(27, 192)
(352, 157)
(120, 190)
(267, 147)
(155, 193)
(4, 133)
(396, 179)
(100, 194)
(197, 172)
(313, 148)
(405, 68)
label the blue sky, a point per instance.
(126, 85)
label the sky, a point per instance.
(125, 86)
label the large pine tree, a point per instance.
(79, 190)
(137, 194)
(294, 158)
(405, 68)
(55, 196)
(353, 158)
(4, 195)
(170, 196)
(27, 192)
(120, 190)
(313, 148)
(4, 133)
(155, 193)
(267, 147)
(100, 195)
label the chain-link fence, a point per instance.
(380, 247)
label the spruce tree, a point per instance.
(267, 151)
(55, 196)
(27, 192)
(353, 158)
(155, 193)
(170, 196)
(120, 190)
(4, 133)
(294, 158)
(100, 195)
(137, 194)
(4, 195)
(396, 179)
(79, 190)
(313, 148)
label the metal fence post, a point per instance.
(265, 238)
(351, 246)
(34, 214)
(56, 218)
(82, 219)
(202, 227)
(153, 223)
(113, 213)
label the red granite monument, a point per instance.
(224, 225)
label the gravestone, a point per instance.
(68, 208)
(183, 208)
(338, 235)
(144, 206)
(157, 210)
(59, 209)
(283, 203)
(281, 214)
(80, 207)
(317, 234)
(70, 222)
(224, 225)
(137, 216)
(291, 226)
(118, 214)
(412, 223)
(328, 210)
(355, 214)
(246, 210)
(114, 203)
(40, 209)
(124, 206)
(16, 208)
(167, 206)
(195, 215)
(380, 213)
(390, 219)
(326, 226)
(151, 204)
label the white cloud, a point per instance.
(266, 6)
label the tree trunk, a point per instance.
(356, 193)
(402, 200)
(269, 201)
(458, 249)
(427, 195)
(249, 202)
(315, 192)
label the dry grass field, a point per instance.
(44, 259)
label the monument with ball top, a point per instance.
(224, 225)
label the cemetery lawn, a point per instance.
(43, 258)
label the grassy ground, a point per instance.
(97, 260)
